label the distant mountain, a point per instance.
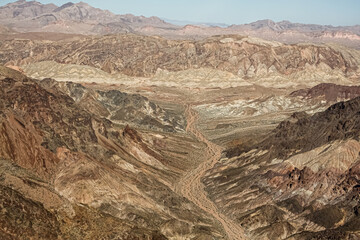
(284, 31)
(81, 18)
(311, 30)
(288, 32)
(286, 25)
(22, 9)
(205, 24)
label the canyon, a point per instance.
(125, 127)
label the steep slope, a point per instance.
(300, 182)
(339, 122)
(91, 171)
(119, 107)
(32, 209)
(237, 114)
(328, 92)
(261, 62)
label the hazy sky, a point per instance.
(331, 12)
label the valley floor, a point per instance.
(191, 187)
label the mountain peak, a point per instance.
(66, 5)
(264, 21)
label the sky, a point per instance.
(324, 12)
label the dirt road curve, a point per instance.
(192, 188)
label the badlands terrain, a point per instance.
(134, 128)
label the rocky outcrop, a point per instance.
(339, 122)
(304, 177)
(328, 92)
(70, 168)
(136, 55)
(32, 209)
(120, 107)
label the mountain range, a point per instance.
(257, 61)
(81, 18)
(126, 127)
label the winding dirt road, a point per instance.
(191, 187)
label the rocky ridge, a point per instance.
(257, 61)
(83, 175)
(303, 175)
(328, 92)
(119, 107)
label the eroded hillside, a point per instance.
(300, 182)
(261, 62)
(83, 176)
(142, 137)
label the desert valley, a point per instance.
(129, 127)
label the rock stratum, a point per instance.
(98, 135)
(199, 132)
(260, 62)
(69, 171)
(304, 177)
